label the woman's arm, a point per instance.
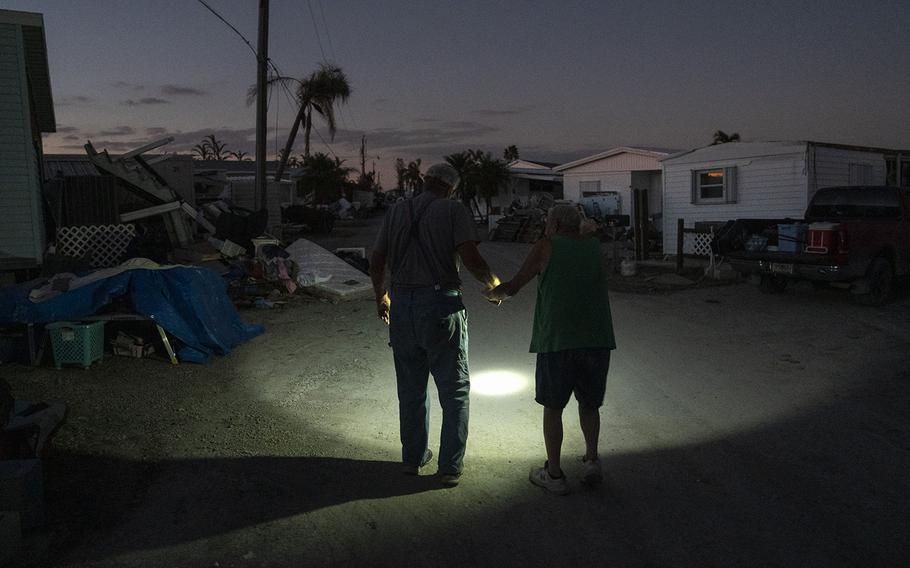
(534, 264)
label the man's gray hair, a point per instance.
(566, 217)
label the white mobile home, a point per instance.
(527, 178)
(766, 179)
(26, 110)
(619, 171)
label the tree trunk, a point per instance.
(290, 143)
(308, 127)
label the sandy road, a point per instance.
(739, 430)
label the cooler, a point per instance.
(791, 237)
(821, 237)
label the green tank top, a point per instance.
(573, 309)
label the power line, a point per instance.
(328, 36)
(316, 29)
(272, 64)
(228, 24)
(325, 26)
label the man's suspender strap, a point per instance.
(414, 236)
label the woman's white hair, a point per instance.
(565, 216)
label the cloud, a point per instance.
(379, 101)
(234, 139)
(118, 131)
(499, 112)
(436, 140)
(155, 130)
(127, 85)
(75, 100)
(71, 137)
(181, 90)
(146, 101)
(109, 145)
(66, 129)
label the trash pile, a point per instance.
(136, 270)
(522, 226)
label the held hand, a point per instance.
(383, 304)
(497, 294)
(488, 289)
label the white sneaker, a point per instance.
(592, 473)
(541, 477)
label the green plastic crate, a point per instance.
(77, 343)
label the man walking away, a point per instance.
(422, 240)
(572, 336)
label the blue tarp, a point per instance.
(190, 303)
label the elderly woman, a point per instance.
(572, 336)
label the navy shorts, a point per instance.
(582, 371)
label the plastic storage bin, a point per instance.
(791, 237)
(77, 343)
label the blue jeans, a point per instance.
(428, 331)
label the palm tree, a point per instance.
(202, 151)
(240, 155)
(413, 177)
(489, 175)
(400, 169)
(325, 176)
(217, 148)
(292, 161)
(318, 93)
(464, 164)
(510, 153)
(721, 137)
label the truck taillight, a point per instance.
(842, 241)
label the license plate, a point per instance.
(780, 268)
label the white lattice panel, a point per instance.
(103, 244)
(697, 244)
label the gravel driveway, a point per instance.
(739, 430)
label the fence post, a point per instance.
(680, 237)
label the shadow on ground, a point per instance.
(827, 488)
(185, 500)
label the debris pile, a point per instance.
(522, 225)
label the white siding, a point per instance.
(623, 161)
(620, 182)
(770, 186)
(21, 233)
(832, 166)
(615, 173)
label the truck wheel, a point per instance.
(881, 283)
(770, 284)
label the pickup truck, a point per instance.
(866, 250)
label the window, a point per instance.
(588, 187)
(715, 185)
(860, 174)
(711, 184)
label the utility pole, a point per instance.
(363, 156)
(262, 59)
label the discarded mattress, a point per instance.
(325, 275)
(190, 303)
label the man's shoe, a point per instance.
(541, 477)
(411, 469)
(592, 473)
(450, 479)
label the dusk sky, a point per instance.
(558, 79)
